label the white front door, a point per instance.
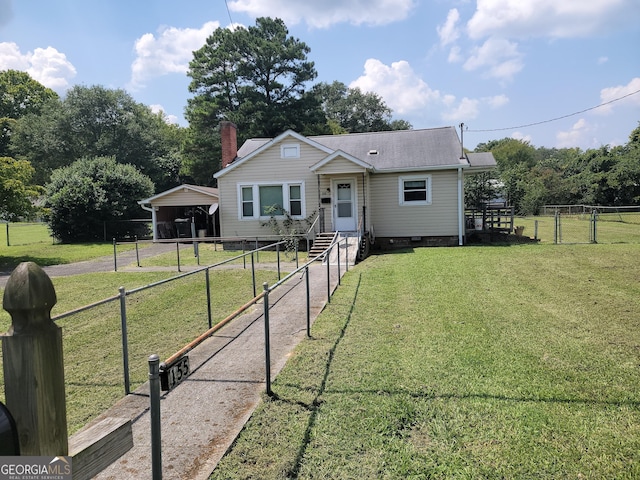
(344, 205)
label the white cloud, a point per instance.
(400, 87)
(498, 56)
(449, 32)
(466, 110)
(455, 55)
(469, 108)
(168, 52)
(46, 65)
(155, 108)
(578, 135)
(496, 101)
(602, 60)
(521, 136)
(324, 13)
(407, 94)
(612, 93)
(550, 18)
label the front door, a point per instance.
(344, 205)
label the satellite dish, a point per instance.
(213, 208)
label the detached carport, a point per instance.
(184, 211)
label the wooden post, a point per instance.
(33, 364)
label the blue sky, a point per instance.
(494, 65)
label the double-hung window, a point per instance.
(265, 200)
(415, 190)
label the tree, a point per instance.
(354, 111)
(93, 122)
(84, 195)
(17, 194)
(20, 95)
(254, 77)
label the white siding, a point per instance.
(339, 166)
(390, 219)
(266, 167)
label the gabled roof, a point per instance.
(398, 150)
(401, 149)
(389, 151)
(210, 191)
(341, 154)
(260, 145)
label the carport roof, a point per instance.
(210, 191)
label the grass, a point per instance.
(24, 233)
(211, 254)
(158, 322)
(475, 362)
(610, 228)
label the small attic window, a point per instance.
(290, 150)
(373, 152)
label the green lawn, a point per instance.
(160, 320)
(610, 228)
(475, 362)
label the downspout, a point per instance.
(153, 220)
(460, 207)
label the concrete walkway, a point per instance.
(203, 415)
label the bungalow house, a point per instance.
(184, 211)
(396, 188)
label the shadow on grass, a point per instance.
(313, 407)
(9, 263)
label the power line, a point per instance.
(557, 118)
(228, 11)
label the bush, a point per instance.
(90, 192)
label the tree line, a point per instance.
(89, 157)
(528, 177)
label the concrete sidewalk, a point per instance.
(203, 415)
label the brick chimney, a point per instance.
(229, 140)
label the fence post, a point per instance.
(306, 274)
(115, 256)
(125, 339)
(328, 259)
(137, 252)
(8, 243)
(33, 363)
(253, 275)
(267, 345)
(178, 255)
(156, 427)
(338, 245)
(208, 285)
(556, 222)
(278, 256)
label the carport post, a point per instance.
(267, 346)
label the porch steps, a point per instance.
(321, 243)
